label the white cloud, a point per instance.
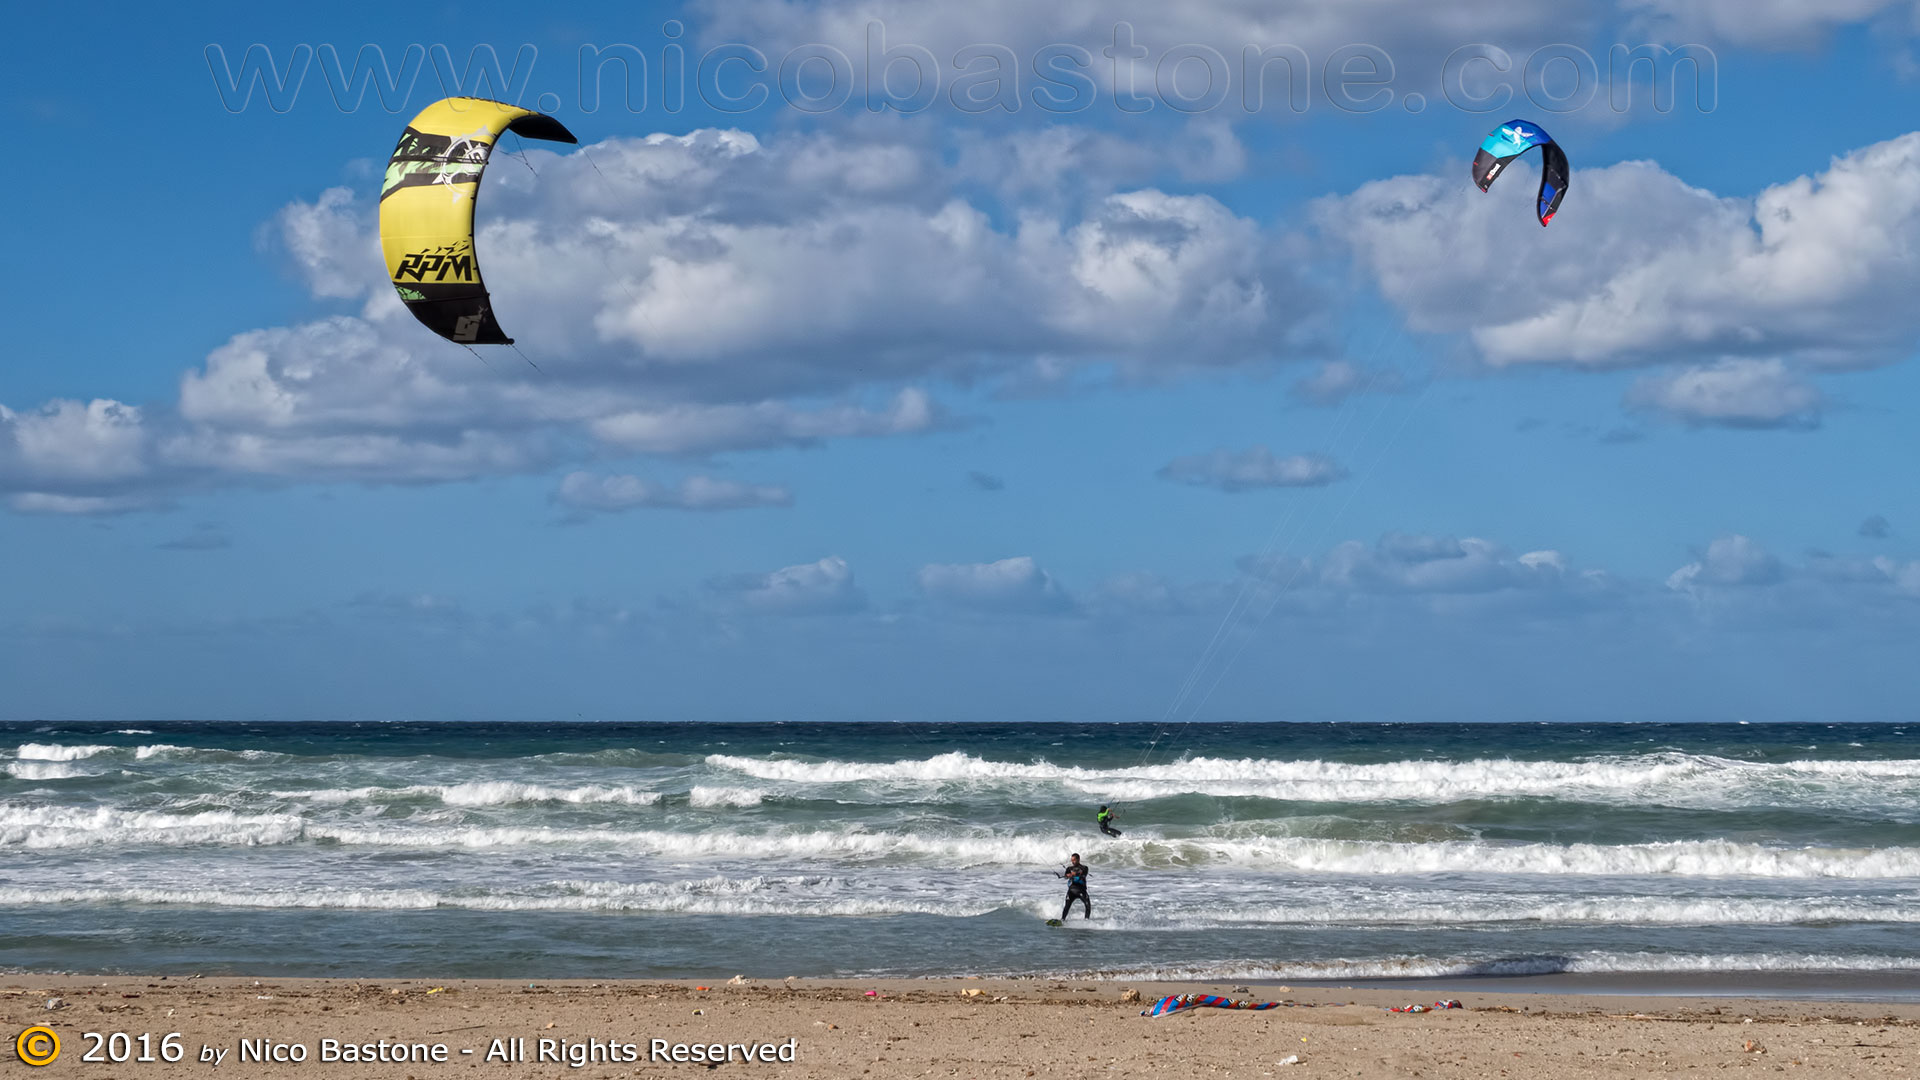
(1416, 35)
(1337, 380)
(1437, 564)
(695, 294)
(328, 245)
(1014, 586)
(1779, 23)
(73, 442)
(1730, 561)
(684, 429)
(1732, 393)
(1641, 268)
(817, 588)
(42, 502)
(1247, 470)
(611, 494)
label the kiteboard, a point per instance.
(1055, 922)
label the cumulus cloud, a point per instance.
(1009, 586)
(1732, 393)
(1247, 470)
(584, 491)
(1778, 23)
(90, 442)
(1418, 36)
(693, 429)
(1337, 380)
(817, 588)
(853, 276)
(1642, 268)
(1729, 562)
(1876, 527)
(1437, 564)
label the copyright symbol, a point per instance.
(37, 1046)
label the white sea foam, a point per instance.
(70, 827)
(1592, 962)
(1707, 858)
(479, 793)
(1673, 777)
(692, 898)
(725, 796)
(75, 827)
(57, 752)
(45, 770)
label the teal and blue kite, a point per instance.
(1509, 141)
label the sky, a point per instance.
(913, 361)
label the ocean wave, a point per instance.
(56, 752)
(40, 827)
(480, 793)
(1707, 858)
(130, 731)
(725, 796)
(168, 751)
(676, 898)
(46, 770)
(1615, 910)
(1672, 777)
(1595, 962)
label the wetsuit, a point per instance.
(1076, 875)
(1105, 817)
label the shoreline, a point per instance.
(954, 1026)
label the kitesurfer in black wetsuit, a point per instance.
(1076, 874)
(1105, 818)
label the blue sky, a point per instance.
(1188, 411)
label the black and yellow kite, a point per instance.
(426, 211)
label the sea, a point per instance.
(1763, 854)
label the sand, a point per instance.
(938, 1028)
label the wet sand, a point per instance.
(938, 1027)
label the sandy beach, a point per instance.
(937, 1027)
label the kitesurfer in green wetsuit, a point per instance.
(1105, 818)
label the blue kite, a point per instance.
(1509, 141)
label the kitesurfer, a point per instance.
(1076, 874)
(1105, 817)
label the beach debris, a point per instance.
(1435, 1007)
(873, 993)
(824, 1024)
(1286, 989)
(1243, 989)
(438, 990)
(1752, 1047)
(56, 1003)
(973, 992)
(549, 1026)
(1129, 995)
(1290, 1059)
(703, 988)
(738, 980)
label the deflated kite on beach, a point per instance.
(1174, 1003)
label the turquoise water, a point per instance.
(1284, 851)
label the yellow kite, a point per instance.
(426, 211)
